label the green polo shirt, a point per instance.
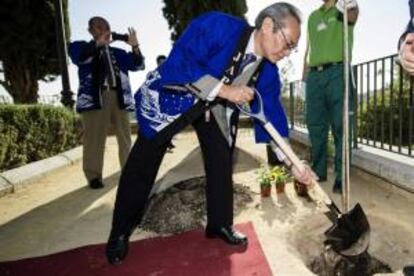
(325, 37)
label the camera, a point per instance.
(122, 37)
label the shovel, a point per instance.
(350, 233)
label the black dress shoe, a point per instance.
(96, 183)
(227, 234)
(408, 270)
(117, 249)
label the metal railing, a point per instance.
(383, 106)
(295, 105)
(53, 99)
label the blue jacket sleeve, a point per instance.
(132, 61)
(269, 87)
(80, 51)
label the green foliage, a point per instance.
(33, 132)
(389, 111)
(269, 175)
(180, 12)
(28, 49)
(264, 176)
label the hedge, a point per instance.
(33, 132)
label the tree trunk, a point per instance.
(23, 85)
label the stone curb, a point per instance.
(17, 178)
(5, 187)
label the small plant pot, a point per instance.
(280, 188)
(301, 189)
(265, 191)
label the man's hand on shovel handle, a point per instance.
(305, 175)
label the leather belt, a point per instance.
(325, 66)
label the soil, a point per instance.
(182, 207)
(330, 264)
(307, 236)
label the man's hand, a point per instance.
(305, 176)
(340, 5)
(103, 39)
(132, 37)
(239, 94)
(406, 53)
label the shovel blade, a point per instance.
(350, 234)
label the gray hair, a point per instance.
(278, 12)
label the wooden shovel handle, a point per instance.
(316, 193)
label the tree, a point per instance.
(180, 12)
(28, 50)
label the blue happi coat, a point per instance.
(205, 48)
(91, 75)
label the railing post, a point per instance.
(400, 108)
(292, 105)
(361, 103)
(355, 111)
(391, 115)
(375, 103)
(383, 104)
(410, 118)
(368, 109)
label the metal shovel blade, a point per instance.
(350, 235)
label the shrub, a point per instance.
(32, 132)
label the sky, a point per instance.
(380, 24)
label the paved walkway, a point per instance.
(60, 212)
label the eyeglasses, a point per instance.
(290, 45)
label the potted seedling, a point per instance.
(301, 189)
(264, 181)
(280, 176)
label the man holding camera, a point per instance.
(104, 93)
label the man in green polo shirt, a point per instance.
(323, 72)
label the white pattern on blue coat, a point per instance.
(150, 105)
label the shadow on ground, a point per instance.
(75, 219)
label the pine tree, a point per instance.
(180, 12)
(28, 50)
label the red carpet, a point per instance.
(188, 253)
